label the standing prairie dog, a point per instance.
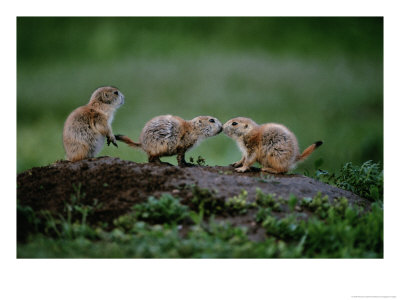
(87, 126)
(169, 135)
(273, 145)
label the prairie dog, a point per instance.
(87, 126)
(273, 145)
(168, 135)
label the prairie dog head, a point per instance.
(238, 127)
(206, 126)
(107, 95)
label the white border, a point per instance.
(197, 279)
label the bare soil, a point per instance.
(119, 184)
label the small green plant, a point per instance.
(167, 209)
(78, 195)
(268, 200)
(285, 228)
(349, 235)
(206, 200)
(319, 204)
(200, 161)
(227, 232)
(344, 232)
(66, 228)
(265, 200)
(340, 205)
(238, 204)
(366, 180)
(292, 202)
(69, 225)
(323, 175)
(76, 205)
(197, 217)
(263, 213)
(125, 222)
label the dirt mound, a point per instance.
(118, 184)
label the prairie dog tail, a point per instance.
(308, 151)
(128, 141)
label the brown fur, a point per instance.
(169, 135)
(272, 145)
(87, 126)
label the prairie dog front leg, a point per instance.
(248, 161)
(239, 163)
(104, 128)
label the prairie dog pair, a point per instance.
(87, 126)
(169, 135)
(272, 145)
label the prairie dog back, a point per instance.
(278, 141)
(272, 145)
(162, 135)
(169, 135)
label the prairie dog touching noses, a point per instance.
(272, 145)
(87, 126)
(168, 135)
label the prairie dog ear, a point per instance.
(105, 95)
(245, 126)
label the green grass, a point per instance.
(365, 180)
(322, 77)
(294, 228)
(166, 210)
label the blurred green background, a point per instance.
(321, 77)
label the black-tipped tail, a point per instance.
(309, 150)
(317, 144)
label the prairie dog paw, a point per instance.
(111, 139)
(242, 169)
(236, 164)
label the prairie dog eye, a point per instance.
(116, 93)
(212, 120)
(234, 123)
